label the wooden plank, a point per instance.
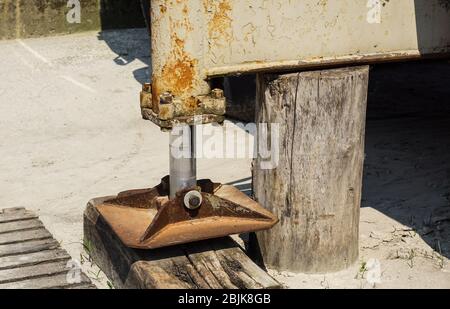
(218, 263)
(84, 286)
(20, 236)
(34, 271)
(169, 273)
(13, 210)
(222, 263)
(16, 214)
(210, 268)
(315, 189)
(28, 247)
(13, 261)
(28, 224)
(52, 282)
(30, 257)
(247, 270)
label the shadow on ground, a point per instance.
(130, 45)
(133, 43)
(407, 167)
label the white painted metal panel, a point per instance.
(279, 33)
(193, 40)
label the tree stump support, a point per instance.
(316, 188)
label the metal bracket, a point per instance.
(170, 111)
(148, 219)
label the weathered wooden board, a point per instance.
(28, 247)
(315, 189)
(24, 235)
(30, 258)
(16, 214)
(23, 225)
(21, 260)
(213, 264)
(58, 281)
(33, 271)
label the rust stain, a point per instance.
(178, 74)
(219, 27)
(190, 106)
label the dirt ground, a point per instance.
(71, 130)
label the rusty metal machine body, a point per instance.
(194, 41)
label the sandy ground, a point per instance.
(405, 215)
(71, 130)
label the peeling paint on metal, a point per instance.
(178, 73)
(195, 40)
(219, 27)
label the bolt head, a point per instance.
(193, 200)
(217, 93)
(166, 98)
(147, 87)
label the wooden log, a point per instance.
(316, 188)
(218, 263)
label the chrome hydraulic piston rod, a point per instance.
(183, 163)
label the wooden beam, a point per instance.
(212, 264)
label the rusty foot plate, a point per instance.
(147, 219)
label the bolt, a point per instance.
(166, 98)
(217, 93)
(193, 200)
(147, 87)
